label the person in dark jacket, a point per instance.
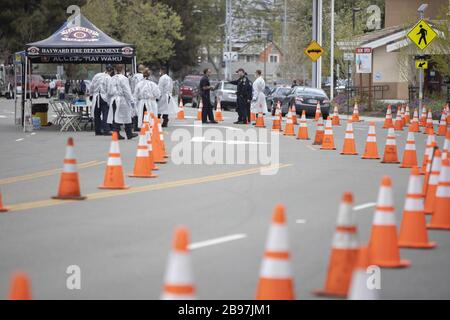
(205, 92)
(244, 96)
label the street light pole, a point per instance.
(317, 36)
(421, 10)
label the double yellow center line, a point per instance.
(153, 187)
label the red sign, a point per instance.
(363, 50)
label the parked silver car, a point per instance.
(226, 92)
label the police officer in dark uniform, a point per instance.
(205, 92)
(244, 97)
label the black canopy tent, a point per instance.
(78, 41)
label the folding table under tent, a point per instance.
(78, 41)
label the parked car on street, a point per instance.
(189, 90)
(226, 92)
(38, 86)
(306, 98)
(277, 94)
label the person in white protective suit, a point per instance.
(99, 98)
(121, 103)
(166, 103)
(145, 94)
(259, 103)
(134, 80)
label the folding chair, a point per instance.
(57, 111)
(71, 119)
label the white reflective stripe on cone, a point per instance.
(69, 168)
(383, 218)
(413, 204)
(443, 192)
(349, 136)
(70, 154)
(345, 240)
(142, 153)
(371, 139)
(276, 269)
(277, 239)
(114, 161)
(410, 146)
(415, 185)
(179, 270)
(114, 147)
(385, 198)
(390, 141)
(345, 216)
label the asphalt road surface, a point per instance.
(121, 240)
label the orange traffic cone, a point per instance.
(320, 132)
(69, 184)
(294, 115)
(318, 112)
(429, 129)
(448, 114)
(180, 114)
(336, 121)
(20, 287)
(200, 111)
(407, 115)
(260, 121)
(161, 136)
(2, 208)
(390, 149)
(289, 128)
(431, 180)
(142, 167)
(349, 147)
(383, 244)
(148, 135)
(414, 127)
(218, 115)
(409, 155)
(343, 253)
(276, 122)
(446, 148)
(303, 129)
(252, 116)
(275, 278)
(388, 123)
(359, 290)
(355, 115)
(157, 144)
(179, 279)
(442, 131)
(371, 148)
(402, 116)
(441, 212)
(114, 173)
(423, 117)
(328, 139)
(413, 231)
(398, 126)
(431, 142)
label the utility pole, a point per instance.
(228, 36)
(332, 53)
(317, 36)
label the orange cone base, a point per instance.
(349, 153)
(412, 245)
(438, 227)
(161, 161)
(275, 289)
(370, 158)
(395, 162)
(390, 264)
(4, 210)
(113, 188)
(142, 176)
(68, 198)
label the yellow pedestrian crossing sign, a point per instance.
(421, 64)
(314, 51)
(422, 34)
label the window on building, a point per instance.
(249, 58)
(273, 58)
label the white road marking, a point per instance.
(3, 117)
(19, 139)
(212, 242)
(33, 133)
(208, 126)
(202, 139)
(300, 221)
(364, 206)
(311, 147)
